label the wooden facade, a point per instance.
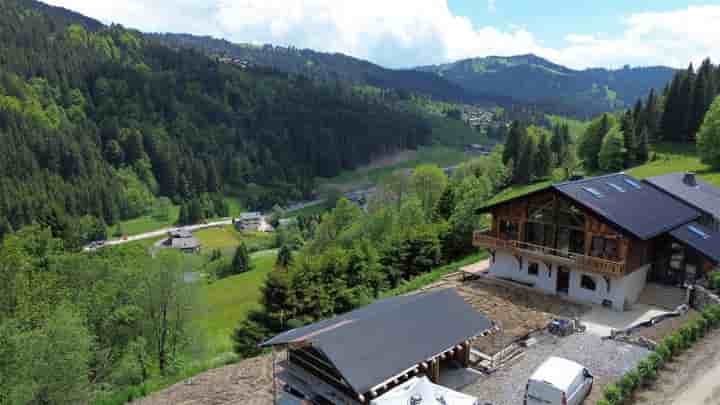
(551, 228)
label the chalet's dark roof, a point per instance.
(626, 202)
(376, 342)
(185, 243)
(702, 196)
(700, 238)
(642, 211)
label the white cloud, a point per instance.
(399, 33)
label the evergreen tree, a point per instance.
(241, 261)
(651, 117)
(643, 149)
(446, 204)
(284, 257)
(702, 94)
(544, 159)
(686, 104)
(627, 127)
(514, 142)
(183, 217)
(613, 153)
(592, 140)
(673, 116)
(526, 162)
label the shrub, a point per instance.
(710, 316)
(613, 394)
(602, 402)
(673, 343)
(647, 370)
(629, 382)
(656, 359)
(664, 352)
(714, 280)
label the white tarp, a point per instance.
(420, 391)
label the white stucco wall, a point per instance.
(622, 292)
(507, 266)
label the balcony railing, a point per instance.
(574, 260)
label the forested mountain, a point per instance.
(95, 121)
(534, 80)
(333, 66)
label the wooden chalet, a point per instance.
(597, 240)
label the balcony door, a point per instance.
(563, 280)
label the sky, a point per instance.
(404, 33)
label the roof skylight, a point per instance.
(594, 192)
(633, 183)
(697, 231)
(616, 187)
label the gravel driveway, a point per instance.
(605, 359)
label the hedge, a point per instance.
(647, 370)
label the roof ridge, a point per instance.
(585, 180)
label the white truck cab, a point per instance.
(558, 381)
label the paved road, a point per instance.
(162, 232)
(705, 391)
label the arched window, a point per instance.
(588, 283)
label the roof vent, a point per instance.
(689, 179)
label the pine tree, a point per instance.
(673, 115)
(5, 227)
(183, 218)
(544, 159)
(284, 257)
(627, 126)
(651, 117)
(241, 262)
(526, 163)
(686, 104)
(514, 142)
(612, 154)
(643, 150)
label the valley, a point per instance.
(169, 201)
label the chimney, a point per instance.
(689, 179)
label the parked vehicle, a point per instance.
(558, 381)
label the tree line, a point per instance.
(414, 223)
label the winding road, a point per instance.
(159, 232)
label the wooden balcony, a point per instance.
(543, 253)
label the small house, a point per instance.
(250, 221)
(182, 240)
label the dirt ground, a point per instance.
(678, 376)
(516, 310)
(248, 382)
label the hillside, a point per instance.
(558, 89)
(332, 66)
(98, 121)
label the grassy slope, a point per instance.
(576, 127)
(669, 158)
(227, 301)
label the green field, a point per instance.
(671, 158)
(306, 211)
(576, 127)
(227, 301)
(227, 238)
(148, 223)
(439, 155)
(667, 158)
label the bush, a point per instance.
(664, 352)
(714, 280)
(602, 402)
(613, 394)
(647, 370)
(629, 382)
(674, 343)
(656, 359)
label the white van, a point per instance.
(558, 382)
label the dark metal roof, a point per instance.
(376, 342)
(702, 196)
(643, 211)
(624, 201)
(700, 238)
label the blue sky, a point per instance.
(404, 33)
(557, 18)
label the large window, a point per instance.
(604, 247)
(508, 229)
(588, 283)
(533, 269)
